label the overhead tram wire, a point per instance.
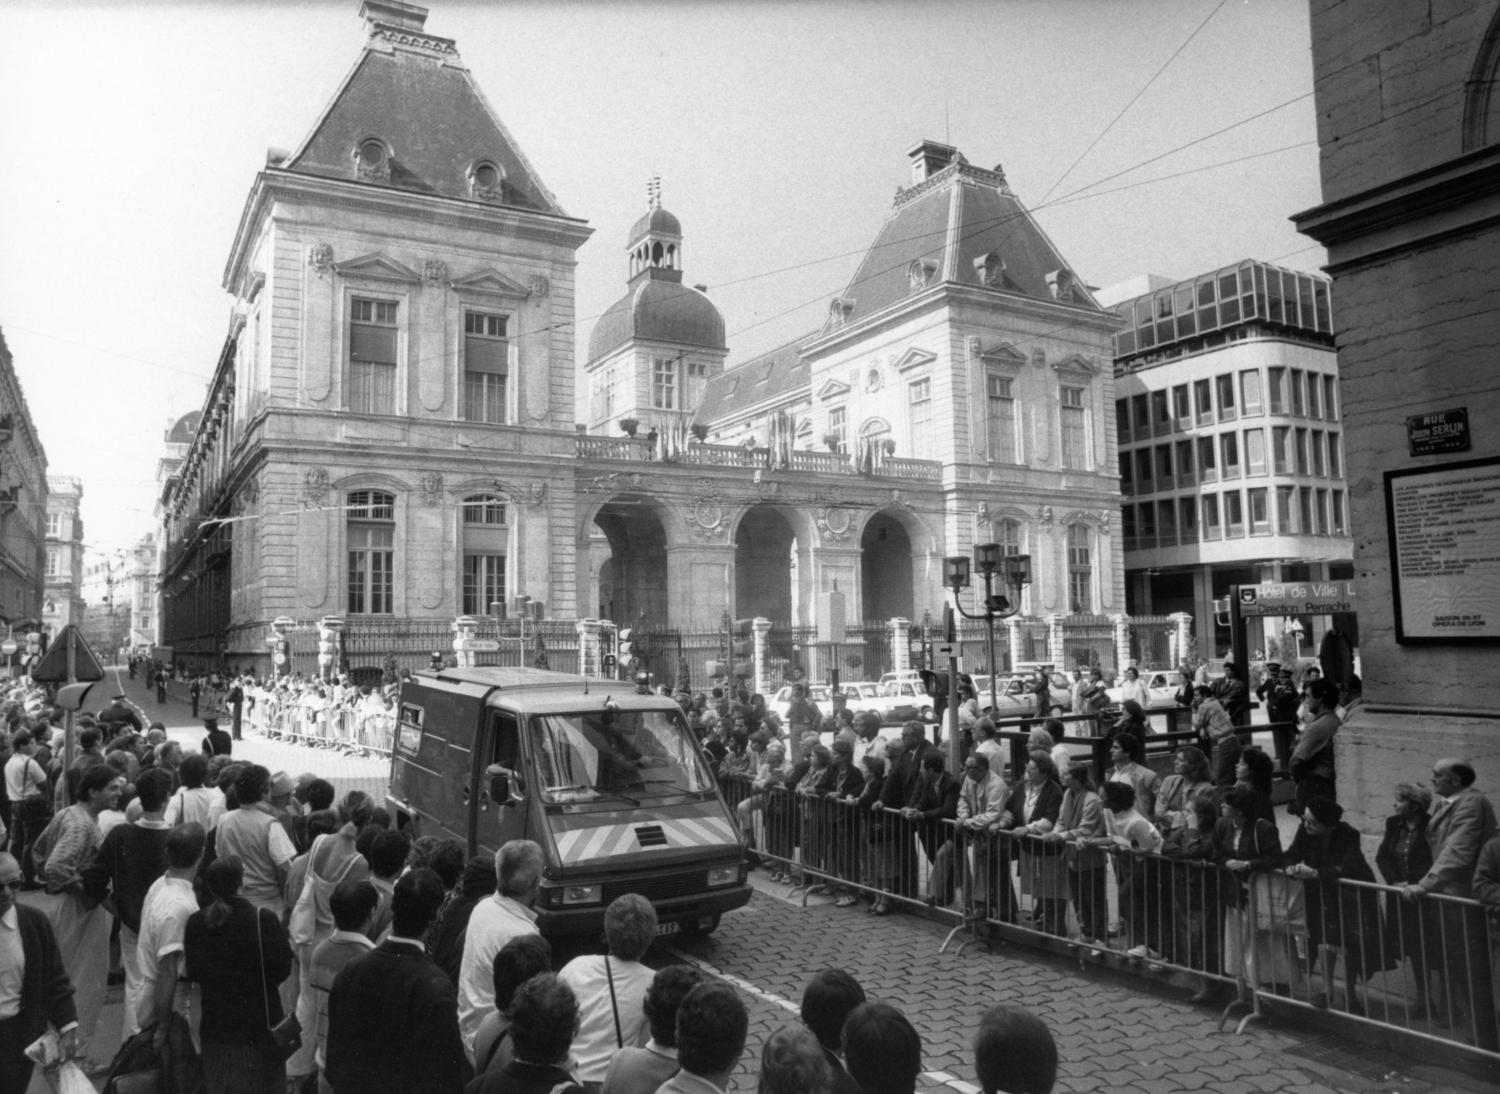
(1080, 194)
(1134, 99)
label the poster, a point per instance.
(1445, 551)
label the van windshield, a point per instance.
(591, 755)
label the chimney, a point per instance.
(928, 158)
(393, 13)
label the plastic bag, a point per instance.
(70, 1079)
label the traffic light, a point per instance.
(742, 649)
(936, 686)
(625, 655)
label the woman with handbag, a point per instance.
(238, 954)
(1248, 847)
(61, 854)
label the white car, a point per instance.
(900, 701)
(821, 694)
(1013, 696)
(1161, 690)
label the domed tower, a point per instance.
(651, 354)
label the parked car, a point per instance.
(821, 694)
(1161, 689)
(901, 701)
(1014, 699)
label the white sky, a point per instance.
(132, 133)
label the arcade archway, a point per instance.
(885, 569)
(765, 545)
(631, 561)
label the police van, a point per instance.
(610, 783)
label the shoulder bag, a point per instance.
(286, 1034)
(614, 1006)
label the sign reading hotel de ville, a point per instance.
(1444, 525)
(1296, 598)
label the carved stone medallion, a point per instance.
(431, 483)
(320, 256)
(435, 270)
(834, 523)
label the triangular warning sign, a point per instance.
(53, 667)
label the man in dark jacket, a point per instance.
(543, 1019)
(216, 742)
(902, 781)
(41, 994)
(393, 1014)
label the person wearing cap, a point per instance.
(1325, 851)
(216, 742)
(119, 713)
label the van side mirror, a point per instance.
(506, 786)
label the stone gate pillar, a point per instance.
(1013, 629)
(1182, 636)
(1055, 651)
(590, 651)
(1122, 640)
(762, 629)
(900, 644)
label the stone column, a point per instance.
(465, 627)
(1055, 651)
(900, 644)
(1122, 640)
(590, 654)
(762, 629)
(1013, 628)
(1183, 634)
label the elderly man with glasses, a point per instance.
(34, 985)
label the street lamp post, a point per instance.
(1014, 572)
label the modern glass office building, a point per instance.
(1231, 449)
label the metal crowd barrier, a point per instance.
(348, 730)
(1357, 951)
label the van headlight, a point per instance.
(580, 894)
(723, 875)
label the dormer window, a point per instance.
(485, 180)
(372, 159)
(990, 270)
(920, 273)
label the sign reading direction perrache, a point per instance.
(1444, 526)
(1438, 431)
(1296, 598)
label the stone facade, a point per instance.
(390, 434)
(1410, 137)
(23, 506)
(62, 602)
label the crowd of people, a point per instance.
(1188, 869)
(293, 941)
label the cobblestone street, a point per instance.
(1113, 1033)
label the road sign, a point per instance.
(9, 646)
(53, 667)
(480, 645)
(1295, 598)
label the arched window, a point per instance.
(371, 516)
(1080, 571)
(485, 536)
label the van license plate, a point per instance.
(668, 928)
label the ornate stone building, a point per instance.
(23, 506)
(390, 436)
(62, 602)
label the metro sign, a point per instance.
(1295, 598)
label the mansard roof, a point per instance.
(410, 90)
(779, 372)
(945, 223)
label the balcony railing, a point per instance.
(727, 455)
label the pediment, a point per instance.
(833, 389)
(379, 267)
(914, 358)
(490, 282)
(1003, 353)
(1077, 362)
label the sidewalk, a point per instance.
(345, 772)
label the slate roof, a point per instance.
(658, 310)
(434, 118)
(949, 220)
(735, 390)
